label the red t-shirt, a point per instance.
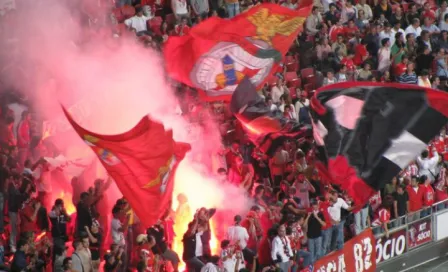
(441, 186)
(428, 14)
(264, 252)
(375, 201)
(382, 216)
(348, 63)
(415, 198)
(323, 208)
(360, 52)
(428, 196)
(335, 31)
(26, 225)
(296, 238)
(350, 31)
(400, 69)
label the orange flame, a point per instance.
(40, 236)
(181, 227)
(67, 197)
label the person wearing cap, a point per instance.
(281, 251)
(239, 237)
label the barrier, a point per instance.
(358, 255)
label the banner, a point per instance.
(388, 248)
(420, 233)
(358, 255)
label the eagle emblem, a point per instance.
(163, 176)
(269, 25)
(104, 154)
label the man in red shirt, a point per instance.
(326, 230)
(28, 216)
(361, 53)
(428, 195)
(24, 136)
(415, 193)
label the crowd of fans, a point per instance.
(297, 217)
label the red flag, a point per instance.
(217, 54)
(142, 162)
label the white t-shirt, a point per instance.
(238, 234)
(199, 248)
(117, 236)
(411, 30)
(302, 192)
(335, 209)
(138, 23)
(179, 7)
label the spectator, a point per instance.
(281, 250)
(233, 8)
(138, 23)
(415, 193)
(384, 62)
(401, 204)
(182, 28)
(364, 73)
(180, 9)
(428, 196)
(95, 240)
(84, 213)
(19, 262)
(161, 248)
(365, 8)
(382, 8)
(313, 21)
(414, 28)
(59, 218)
(315, 221)
(382, 218)
(409, 77)
(334, 210)
(427, 165)
(423, 79)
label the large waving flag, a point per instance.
(367, 133)
(267, 130)
(142, 162)
(218, 53)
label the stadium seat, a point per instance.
(292, 92)
(170, 19)
(272, 81)
(405, 7)
(128, 11)
(291, 76)
(291, 64)
(307, 72)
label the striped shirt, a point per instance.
(408, 78)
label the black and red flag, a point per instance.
(267, 130)
(367, 133)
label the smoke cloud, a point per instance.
(54, 59)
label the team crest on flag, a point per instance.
(223, 52)
(163, 176)
(105, 155)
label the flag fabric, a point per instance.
(366, 133)
(218, 53)
(142, 162)
(267, 130)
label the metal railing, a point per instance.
(409, 221)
